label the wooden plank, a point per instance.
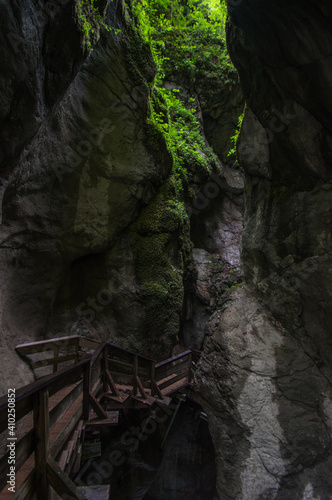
(115, 349)
(122, 379)
(171, 360)
(58, 411)
(111, 384)
(88, 343)
(41, 424)
(23, 449)
(77, 463)
(112, 419)
(52, 361)
(63, 459)
(168, 370)
(61, 483)
(170, 381)
(24, 395)
(65, 432)
(27, 489)
(45, 345)
(141, 389)
(97, 354)
(122, 364)
(157, 391)
(97, 407)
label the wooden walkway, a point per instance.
(53, 413)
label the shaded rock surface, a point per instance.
(94, 239)
(268, 404)
(265, 377)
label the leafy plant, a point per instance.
(89, 20)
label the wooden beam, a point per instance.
(96, 406)
(25, 395)
(65, 432)
(171, 360)
(61, 483)
(52, 361)
(27, 489)
(141, 388)
(167, 383)
(41, 425)
(157, 390)
(45, 345)
(88, 343)
(60, 409)
(112, 384)
(23, 449)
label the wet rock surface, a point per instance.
(265, 376)
(267, 402)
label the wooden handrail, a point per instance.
(35, 397)
(171, 360)
(24, 395)
(46, 345)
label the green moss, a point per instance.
(162, 250)
(140, 64)
(176, 121)
(89, 20)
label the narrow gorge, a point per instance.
(166, 186)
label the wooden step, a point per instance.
(101, 492)
(118, 399)
(112, 419)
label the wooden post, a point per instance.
(56, 354)
(135, 375)
(41, 425)
(152, 374)
(86, 390)
(190, 367)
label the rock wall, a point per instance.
(95, 238)
(77, 171)
(265, 376)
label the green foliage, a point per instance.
(89, 20)
(187, 38)
(177, 121)
(235, 137)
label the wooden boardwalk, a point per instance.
(53, 413)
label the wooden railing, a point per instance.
(58, 351)
(108, 368)
(172, 370)
(35, 398)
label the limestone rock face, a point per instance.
(77, 175)
(266, 374)
(285, 149)
(93, 237)
(268, 404)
